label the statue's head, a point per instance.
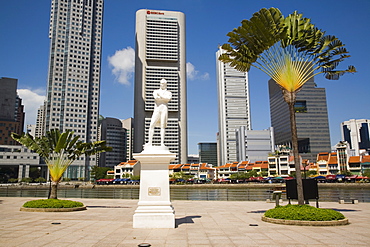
(163, 84)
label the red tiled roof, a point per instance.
(333, 160)
(323, 156)
(354, 159)
(264, 165)
(365, 158)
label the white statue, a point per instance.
(160, 113)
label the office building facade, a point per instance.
(11, 111)
(254, 145)
(128, 125)
(208, 153)
(112, 131)
(311, 117)
(233, 108)
(160, 53)
(356, 132)
(74, 73)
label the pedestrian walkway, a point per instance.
(108, 222)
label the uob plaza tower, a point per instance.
(160, 53)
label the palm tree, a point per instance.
(59, 150)
(291, 51)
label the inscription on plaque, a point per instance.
(154, 191)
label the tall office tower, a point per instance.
(128, 124)
(311, 117)
(160, 53)
(40, 121)
(11, 111)
(233, 108)
(74, 72)
(357, 133)
(254, 145)
(112, 131)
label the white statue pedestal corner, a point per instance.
(154, 207)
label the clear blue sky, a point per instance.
(24, 48)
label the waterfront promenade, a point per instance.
(108, 222)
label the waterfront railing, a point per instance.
(331, 194)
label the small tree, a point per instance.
(291, 50)
(59, 150)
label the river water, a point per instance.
(332, 194)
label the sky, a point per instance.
(24, 51)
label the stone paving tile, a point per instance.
(108, 222)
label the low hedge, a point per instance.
(304, 213)
(52, 203)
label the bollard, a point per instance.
(277, 195)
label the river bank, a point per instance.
(86, 185)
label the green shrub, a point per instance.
(27, 180)
(40, 180)
(303, 212)
(52, 203)
(13, 180)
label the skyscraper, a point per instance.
(112, 131)
(311, 117)
(233, 108)
(160, 53)
(208, 153)
(357, 133)
(74, 72)
(11, 111)
(128, 124)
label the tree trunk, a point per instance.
(290, 98)
(54, 189)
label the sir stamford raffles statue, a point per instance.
(160, 113)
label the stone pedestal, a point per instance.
(154, 208)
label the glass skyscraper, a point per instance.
(357, 133)
(311, 117)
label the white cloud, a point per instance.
(32, 100)
(193, 74)
(123, 63)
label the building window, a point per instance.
(300, 106)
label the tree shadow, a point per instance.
(186, 220)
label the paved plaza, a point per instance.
(108, 222)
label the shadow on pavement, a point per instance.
(344, 210)
(186, 220)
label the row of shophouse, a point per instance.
(276, 165)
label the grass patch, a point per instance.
(52, 203)
(303, 212)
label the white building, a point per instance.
(254, 145)
(160, 53)
(21, 159)
(40, 121)
(127, 169)
(128, 124)
(74, 72)
(357, 133)
(282, 162)
(233, 108)
(31, 129)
